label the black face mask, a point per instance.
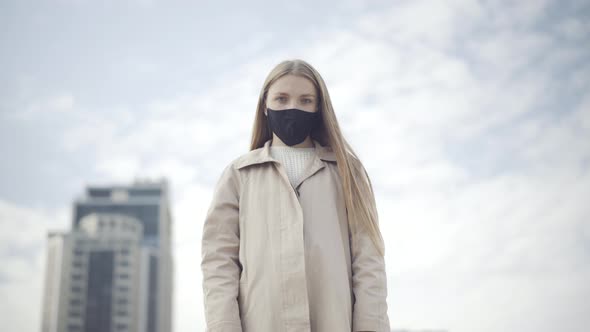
(292, 125)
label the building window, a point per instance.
(121, 327)
(97, 317)
(75, 314)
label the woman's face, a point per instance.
(291, 91)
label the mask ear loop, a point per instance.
(268, 124)
(264, 103)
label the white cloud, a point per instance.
(22, 238)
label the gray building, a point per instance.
(113, 271)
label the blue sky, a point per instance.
(472, 118)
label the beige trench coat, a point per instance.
(275, 258)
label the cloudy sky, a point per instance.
(472, 118)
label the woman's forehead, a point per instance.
(291, 84)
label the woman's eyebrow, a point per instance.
(286, 94)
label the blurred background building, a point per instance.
(113, 271)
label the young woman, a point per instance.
(291, 240)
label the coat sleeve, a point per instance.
(219, 256)
(369, 284)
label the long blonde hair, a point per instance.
(357, 187)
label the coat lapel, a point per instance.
(262, 155)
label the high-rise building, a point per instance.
(113, 271)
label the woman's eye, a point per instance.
(307, 100)
(280, 98)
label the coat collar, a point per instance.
(262, 154)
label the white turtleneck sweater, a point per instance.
(293, 159)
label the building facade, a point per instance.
(113, 271)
